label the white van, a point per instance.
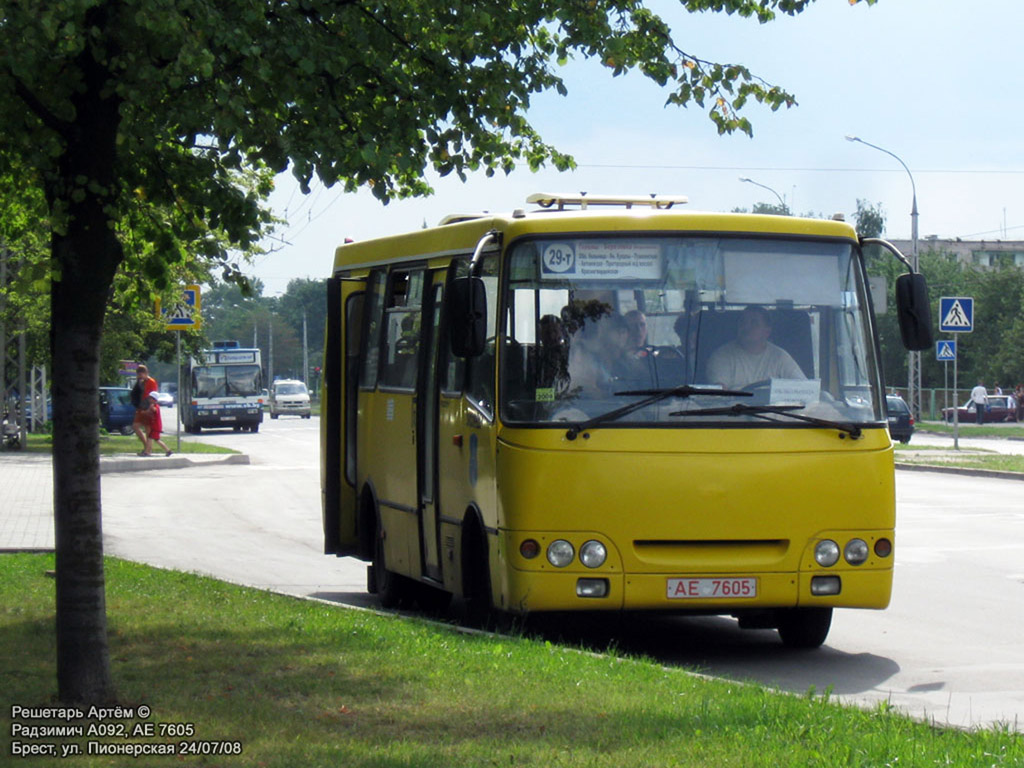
(289, 396)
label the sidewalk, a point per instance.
(26, 491)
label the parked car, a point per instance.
(164, 399)
(289, 396)
(998, 408)
(901, 421)
(116, 410)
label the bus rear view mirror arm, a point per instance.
(912, 306)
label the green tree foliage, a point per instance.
(122, 108)
(25, 246)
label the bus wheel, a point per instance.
(254, 428)
(804, 627)
(393, 590)
(476, 575)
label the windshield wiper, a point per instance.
(652, 396)
(760, 411)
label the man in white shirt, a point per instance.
(751, 358)
(979, 396)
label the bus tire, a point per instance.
(476, 572)
(393, 589)
(804, 627)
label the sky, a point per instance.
(939, 83)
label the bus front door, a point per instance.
(426, 427)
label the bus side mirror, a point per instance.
(914, 311)
(467, 316)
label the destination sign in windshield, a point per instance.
(601, 260)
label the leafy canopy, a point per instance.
(360, 93)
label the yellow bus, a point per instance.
(613, 404)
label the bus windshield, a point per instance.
(226, 381)
(690, 329)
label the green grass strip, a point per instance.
(307, 684)
(126, 445)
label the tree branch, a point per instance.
(39, 109)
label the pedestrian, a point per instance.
(979, 396)
(1018, 395)
(147, 423)
(156, 427)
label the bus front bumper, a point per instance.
(530, 591)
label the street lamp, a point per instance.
(765, 186)
(913, 358)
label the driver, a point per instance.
(751, 357)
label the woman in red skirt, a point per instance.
(148, 424)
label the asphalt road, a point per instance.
(949, 648)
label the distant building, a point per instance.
(980, 253)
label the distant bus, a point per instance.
(550, 411)
(222, 388)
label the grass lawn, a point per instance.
(965, 460)
(115, 445)
(306, 684)
(1011, 430)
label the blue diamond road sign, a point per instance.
(945, 350)
(956, 314)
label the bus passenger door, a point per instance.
(338, 420)
(427, 416)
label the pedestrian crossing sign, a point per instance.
(956, 314)
(945, 350)
(183, 315)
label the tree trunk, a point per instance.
(86, 254)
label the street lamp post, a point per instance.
(765, 186)
(913, 358)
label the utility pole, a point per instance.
(913, 358)
(305, 351)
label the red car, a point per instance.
(999, 408)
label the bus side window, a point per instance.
(453, 368)
(370, 353)
(480, 374)
(402, 329)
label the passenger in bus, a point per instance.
(600, 359)
(637, 322)
(553, 362)
(751, 357)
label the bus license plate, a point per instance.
(719, 587)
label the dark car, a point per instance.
(997, 408)
(901, 422)
(116, 410)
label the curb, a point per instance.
(147, 463)
(990, 473)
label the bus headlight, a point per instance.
(560, 553)
(826, 553)
(593, 554)
(856, 551)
